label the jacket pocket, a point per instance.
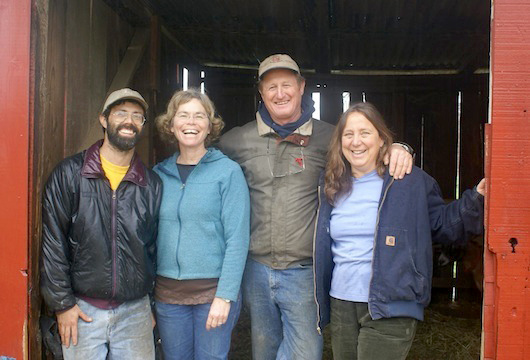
(398, 274)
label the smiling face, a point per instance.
(123, 134)
(360, 144)
(282, 95)
(191, 125)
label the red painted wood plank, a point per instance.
(506, 298)
(14, 106)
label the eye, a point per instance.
(137, 117)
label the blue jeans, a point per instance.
(183, 331)
(125, 332)
(283, 312)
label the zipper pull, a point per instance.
(114, 195)
(183, 186)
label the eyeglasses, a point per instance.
(295, 164)
(187, 116)
(137, 118)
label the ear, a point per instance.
(103, 121)
(302, 87)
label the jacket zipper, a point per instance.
(319, 330)
(183, 188)
(375, 241)
(113, 225)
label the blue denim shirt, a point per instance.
(412, 214)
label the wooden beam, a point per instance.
(131, 60)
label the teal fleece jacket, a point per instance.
(204, 225)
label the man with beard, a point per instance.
(99, 224)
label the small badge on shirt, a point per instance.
(390, 241)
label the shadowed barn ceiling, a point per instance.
(331, 36)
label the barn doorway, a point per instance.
(424, 64)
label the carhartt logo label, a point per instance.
(391, 240)
(275, 59)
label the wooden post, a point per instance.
(15, 20)
(507, 254)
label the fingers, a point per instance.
(67, 321)
(218, 313)
(73, 331)
(481, 187)
(215, 321)
(386, 159)
(65, 335)
(84, 316)
(400, 162)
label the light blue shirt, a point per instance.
(352, 228)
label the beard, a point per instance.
(119, 142)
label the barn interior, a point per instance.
(423, 63)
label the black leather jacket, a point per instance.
(98, 242)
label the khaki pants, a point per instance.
(355, 336)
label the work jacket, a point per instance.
(97, 242)
(282, 176)
(411, 214)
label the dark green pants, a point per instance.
(355, 336)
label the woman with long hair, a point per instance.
(373, 251)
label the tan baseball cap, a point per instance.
(124, 94)
(278, 61)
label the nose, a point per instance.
(356, 140)
(279, 92)
(128, 118)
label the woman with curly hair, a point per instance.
(203, 233)
(373, 251)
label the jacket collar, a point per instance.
(92, 166)
(263, 129)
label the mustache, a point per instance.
(127, 127)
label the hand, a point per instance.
(481, 187)
(153, 320)
(399, 161)
(67, 321)
(218, 313)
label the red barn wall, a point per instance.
(507, 255)
(15, 18)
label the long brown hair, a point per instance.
(338, 173)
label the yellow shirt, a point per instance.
(113, 172)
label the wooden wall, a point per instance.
(81, 50)
(507, 256)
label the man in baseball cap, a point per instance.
(99, 220)
(282, 153)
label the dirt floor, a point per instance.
(451, 331)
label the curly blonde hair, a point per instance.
(338, 173)
(164, 122)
